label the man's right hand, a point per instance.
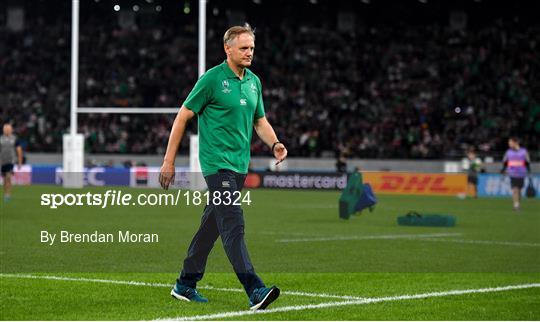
(166, 175)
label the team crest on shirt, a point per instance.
(253, 88)
(243, 101)
(225, 89)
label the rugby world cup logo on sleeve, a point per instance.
(225, 89)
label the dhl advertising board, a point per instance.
(402, 183)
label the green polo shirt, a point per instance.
(226, 107)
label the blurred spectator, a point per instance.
(341, 163)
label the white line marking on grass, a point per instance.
(84, 279)
(355, 302)
(485, 242)
(324, 295)
(357, 237)
(137, 283)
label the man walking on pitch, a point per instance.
(516, 163)
(10, 152)
(228, 102)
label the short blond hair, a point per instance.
(233, 32)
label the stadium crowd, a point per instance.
(378, 91)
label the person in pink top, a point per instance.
(516, 164)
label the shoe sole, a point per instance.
(179, 297)
(269, 298)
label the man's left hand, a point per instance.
(280, 153)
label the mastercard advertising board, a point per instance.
(435, 184)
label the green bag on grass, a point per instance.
(356, 197)
(413, 218)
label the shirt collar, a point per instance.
(230, 74)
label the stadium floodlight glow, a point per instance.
(116, 7)
(135, 8)
(366, 1)
(158, 8)
(215, 11)
(149, 1)
(313, 1)
(257, 1)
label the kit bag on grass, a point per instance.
(413, 218)
(356, 197)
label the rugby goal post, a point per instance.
(73, 142)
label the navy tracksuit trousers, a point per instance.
(226, 221)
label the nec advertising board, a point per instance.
(98, 176)
(410, 183)
(496, 185)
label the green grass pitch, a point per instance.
(366, 268)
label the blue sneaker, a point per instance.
(186, 293)
(262, 297)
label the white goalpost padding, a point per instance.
(196, 178)
(73, 161)
(73, 143)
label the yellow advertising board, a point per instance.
(402, 183)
